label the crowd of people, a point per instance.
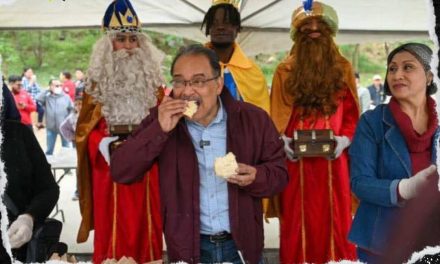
(146, 169)
(50, 105)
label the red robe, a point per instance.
(316, 205)
(127, 221)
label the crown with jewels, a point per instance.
(235, 3)
(120, 16)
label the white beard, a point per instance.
(126, 84)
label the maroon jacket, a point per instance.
(251, 136)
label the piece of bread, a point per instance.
(191, 109)
(225, 166)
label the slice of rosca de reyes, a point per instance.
(225, 166)
(191, 109)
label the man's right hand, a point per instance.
(170, 111)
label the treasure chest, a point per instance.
(313, 143)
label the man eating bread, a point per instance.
(206, 219)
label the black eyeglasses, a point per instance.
(196, 82)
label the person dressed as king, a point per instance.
(122, 82)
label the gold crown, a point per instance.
(127, 20)
(235, 3)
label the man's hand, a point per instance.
(20, 231)
(245, 175)
(410, 188)
(170, 111)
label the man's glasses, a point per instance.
(196, 82)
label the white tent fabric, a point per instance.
(266, 22)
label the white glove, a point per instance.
(103, 147)
(409, 188)
(287, 148)
(342, 142)
(20, 231)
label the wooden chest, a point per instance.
(313, 143)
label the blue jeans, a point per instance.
(219, 252)
(51, 138)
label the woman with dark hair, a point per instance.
(393, 150)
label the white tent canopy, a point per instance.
(265, 22)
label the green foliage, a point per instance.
(49, 52)
(268, 64)
(170, 45)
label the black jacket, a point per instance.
(31, 184)
(10, 110)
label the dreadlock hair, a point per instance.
(231, 15)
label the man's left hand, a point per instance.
(245, 175)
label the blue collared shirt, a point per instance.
(214, 206)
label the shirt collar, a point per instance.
(220, 117)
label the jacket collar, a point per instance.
(397, 142)
(395, 139)
(229, 103)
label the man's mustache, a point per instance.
(125, 52)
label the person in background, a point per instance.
(68, 128)
(314, 88)
(393, 150)
(80, 83)
(207, 219)
(376, 90)
(23, 100)
(68, 85)
(57, 107)
(363, 94)
(29, 82)
(243, 78)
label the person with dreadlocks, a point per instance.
(243, 78)
(314, 88)
(122, 81)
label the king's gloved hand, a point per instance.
(20, 231)
(287, 148)
(342, 142)
(104, 147)
(410, 188)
